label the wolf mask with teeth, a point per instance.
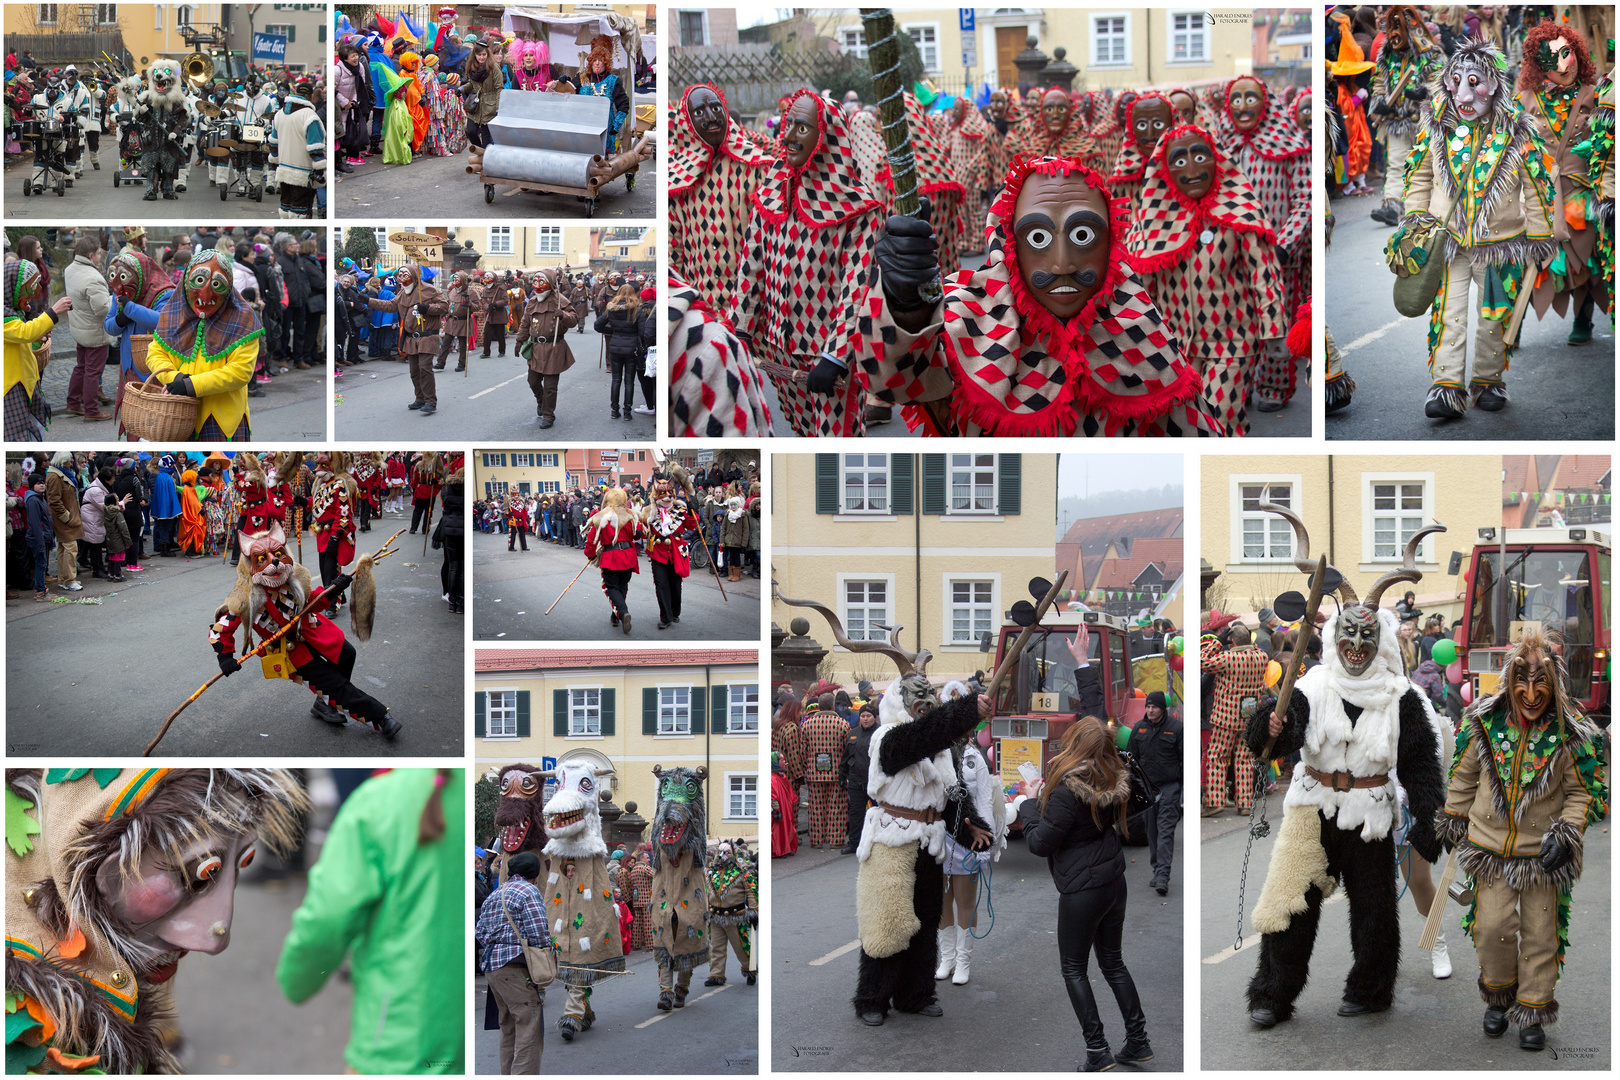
(573, 815)
(680, 823)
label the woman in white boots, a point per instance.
(1420, 883)
(963, 866)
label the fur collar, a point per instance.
(1080, 787)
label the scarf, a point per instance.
(20, 274)
(1168, 224)
(691, 157)
(829, 190)
(152, 283)
(190, 338)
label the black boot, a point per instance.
(1096, 1061)
(1532, 1037)
(1496, 1024)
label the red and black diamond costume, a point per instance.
(1130, 168)
(714, 388)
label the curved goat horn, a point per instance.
(1408, 571)
(909, 663)
(1302, 539)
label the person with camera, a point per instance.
(1074, 817)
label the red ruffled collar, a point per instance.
(1168, 223)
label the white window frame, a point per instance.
(500, 464)
(1425, 555)
(1204, 29)
(572, 689)
(688, 733)
(947, 621)
(157, 16)
(1236, 481)
(843, 607)
(548, 239)
(548, 487)
(950, 486)
(107, 9)
(549, 461)
(381, 233)
(704, 13)
(503, 233)
(852, 50)
(55, 13)
(278, 29)
(183, 14)
(937, 45)
(494, 488)
(522, 461)
(1093, 18)
(732, 703)
(742, 776)
(489, 712)
(888, 483)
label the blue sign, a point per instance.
(965, 15)
(269, 48)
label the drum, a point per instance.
(51, 127)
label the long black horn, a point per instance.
(1408, 571)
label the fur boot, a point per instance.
(1338, 392)
(1446, 403)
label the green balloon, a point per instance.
(1445, 651)
(1122, 735)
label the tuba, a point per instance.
(198, 69)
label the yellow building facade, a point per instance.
(1359, 510)
(627, 711)
(504, 247)
(149, 30)
(625, 243)
(941, 544)
(498, 472)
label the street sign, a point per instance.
(270, 48)
(965, 19)
(970, 55)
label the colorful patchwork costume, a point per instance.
(584, 921)
(679, 907)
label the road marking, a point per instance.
(1253, 939)
(665, 1015)
(836, 953)
(497, 386)
(1369, 338)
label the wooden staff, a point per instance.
(1302, 642)
(314, 601)
(588, 564)
(1024, 636)
(691, 497)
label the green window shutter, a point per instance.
(322, 29)
(559, 713)
(1010, 491)
(608, 695)
(699, 701)
(826, 483)
(649, 711)
(933, 484)
(292, 34)
(479, 697)
(719, 706)
(901, 483)
(523, 714)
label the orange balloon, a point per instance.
(1273, 673)
(1139, 693)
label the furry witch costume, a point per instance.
(1476, 148)
(1527, 780)
(1026, 346)
(1207, 254)
(114, 875)
(579, 896)
(714, 167)
(679, 907)
(714, 388)
(733, 910)
(1401, 76)
(1355, 720)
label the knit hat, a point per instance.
(1156, 698)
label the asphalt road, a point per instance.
(1013, 1015)
(95, 197)
(490, 400)
(511, 591)
(293, 408)
(1557, 391)
(99, 679)
(398, 192)
(716, 1034)
(1434, 1024)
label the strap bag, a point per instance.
(541, 960)
(1144, 792)
(1416, 253)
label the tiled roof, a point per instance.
(492, 660)
(1163, 552)
(1091, 536)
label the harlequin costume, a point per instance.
(714, 388)
(584, 921)
(679, 907)
(140, 288)
(999, 142)
(825, 734)
(1130, 165)
(86, 983)
(964, 141)
(1500, 223)
(206, 346)
(804, 273)
(28, 349)
(998, 363)
(1210, 264)
(1523, 791)
(640, 877)
(1075, 139)
(668, 519)
(787, 742)
(710, 200)
(1400, 85)
(938, 179)
(733, 911)
(610, 536)
(1239, 673)
(332, 509)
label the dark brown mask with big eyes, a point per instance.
(1185, 105)
(1246, 101)
(1190, 161)
(1150, 119)
(708, 115)
(801, 132)
(1530, 685)
(1062, 233)
(1055, 108)
(1302, 116)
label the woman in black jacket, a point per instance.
(618, 321)
(451, 535)
(1074, 818)
(647, 331)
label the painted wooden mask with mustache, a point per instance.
(1191, 163)
(1061, 227)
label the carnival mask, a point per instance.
(1247, 101)
(801, 131)
(1061, 227)
(959, 111)
(28, 284)
(917, 694)
(1530, 686)
(1149, 120)
(570, 812)
(458, 280)
(267, 559)
(1558, 61)
(1395, 35)
(1185, 105)
(1191, 162)
(208, 285)
(1055, 108)
(404, 279)
(1302, 115)
(1357, 644)
(179, 902)
(998, 106)
(708, 116)
(1471, 87)
(1122, 106)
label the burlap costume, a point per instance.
(584, 925)
(733, 912)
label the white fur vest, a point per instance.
(920, 786)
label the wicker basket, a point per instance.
(152, 413)
(137, 352)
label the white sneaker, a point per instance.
(72, 586)
(947, 955)
(644, 411)
(1440, 958)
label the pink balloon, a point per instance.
(1174, 662)
(990, 757)
(984, 738)
(1454, 673)
(1468, 693)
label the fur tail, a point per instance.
(885, 917)
(363, 599)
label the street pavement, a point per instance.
(1012, 1016)
(293, 408)
(717, 1033)
(490, 400)
(1557, 391)
(79, 678)
(95, 197)
(511, 591)
(399, 192)
(1434, 1024)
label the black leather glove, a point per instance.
(227, 664)
(1383, 108)
(1416, 92)
(1556, 852)
(119, 319)
(341, 582)
(753, 917)
(908, 256)
(181, 384)
(824, 379)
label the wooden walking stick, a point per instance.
(381, 554)
(1302, 641)
(588, 564)
(691, 497)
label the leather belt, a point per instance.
(1343, 781)
(735, 909)
(622, 545)
(927, 817)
